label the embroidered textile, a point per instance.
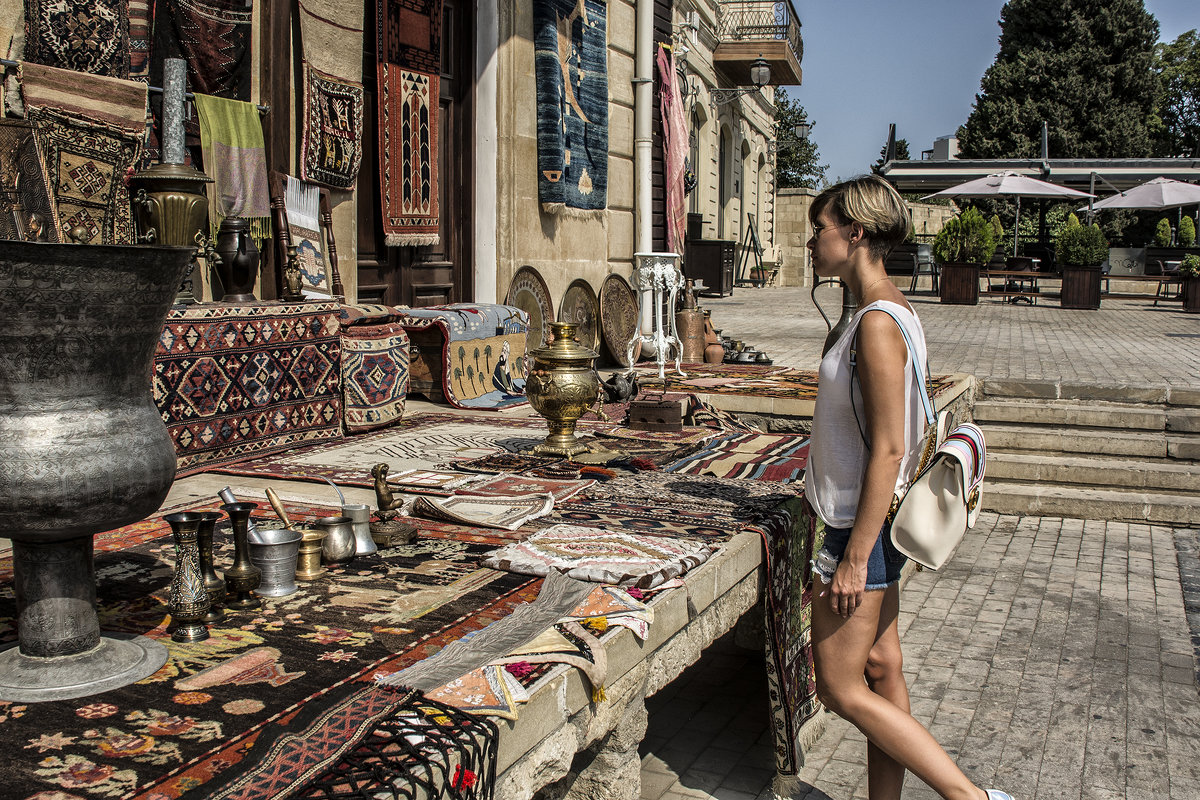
(491, 511)
(140, 29)
(25, 207)
(483, 349)
(81, 35)
(116, 103)
(86, 163)
(570, 61)
(235, 157)
(214, 37)
(601, 556)
(779, 457)
(274, 696)
(331, 141)
(409, 52)
(237, 381)
(374, 375)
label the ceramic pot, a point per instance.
(275, 555)
(238, 256)
(78, 417)
(561, 386)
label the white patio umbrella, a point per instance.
(1158, 193)
(1009, 184)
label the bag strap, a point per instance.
(926, 403)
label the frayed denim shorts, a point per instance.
(883, 565)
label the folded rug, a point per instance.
(235, 157)
(506, 513)
(114, 102)
(601, 556)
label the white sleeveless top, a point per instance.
(837, 454)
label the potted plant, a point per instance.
(1187, 232)
(1162, 233)
(1080, 250)
(962, 245)
(1189, 270)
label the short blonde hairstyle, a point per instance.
(874, 204)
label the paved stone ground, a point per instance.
(1051, 658)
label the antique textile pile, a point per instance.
(409, 53)
(235, 157)
(238, 381)
(81, 35)
(331, 139)
(762, 456)
(374, 375)
(90, 130)
(482, 349)
(570, 59)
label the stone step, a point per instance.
(1088, 441)
(1121, 416)
(1119, 473)
(1032, 499)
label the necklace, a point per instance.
(872, 285)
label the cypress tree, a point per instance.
(1085, 67)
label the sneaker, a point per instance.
(996, 794)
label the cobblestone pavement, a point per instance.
(1051, 658)
(1123, 342)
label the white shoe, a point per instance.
(996, 794)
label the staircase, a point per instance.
(1118, 453)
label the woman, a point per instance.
(868, 428)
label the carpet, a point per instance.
(140, 31)
(331, 138)
(761, 381)
(247, 380)
(777, 457)
(482, 352)
(409, 51)
(487, 511)
(570, 61)
(374, 376)
(275, 692)
(214, 37)
(25, 207)
(82, 35)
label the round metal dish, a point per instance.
(580, 305)
(618, 317)
(528, 292)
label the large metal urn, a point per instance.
(562, 386)
(82, 449)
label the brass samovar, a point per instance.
(561, 387)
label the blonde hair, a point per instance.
(874, 204)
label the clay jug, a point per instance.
(690, 326)
(237, 264)
(714, 351)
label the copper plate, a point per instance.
(528, 292)
(581, 306)
(618, 317)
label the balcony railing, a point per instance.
(760, 21)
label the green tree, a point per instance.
(901, 155)
(1085, 67)
(1177, 132)
(797, 164)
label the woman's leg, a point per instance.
(885, 677)
(840, 650)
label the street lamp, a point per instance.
(800, 132)
(760, 76)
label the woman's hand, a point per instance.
(849, 584)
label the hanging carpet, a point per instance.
(140, 29)
(213, 36)
(331, 138)
(82, 35)
(409, 52)
(570, 59)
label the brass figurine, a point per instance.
(386, 502)
(292, 276)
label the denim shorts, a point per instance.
(883, 565)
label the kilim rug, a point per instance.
(409, 52)
(763, 456)
(272, 697)
(25, 209)
(483, 346)
(86, 163)
(302, 202)
(140, 29)
(213, 36)
(331, 139)
(570, 61)
(248, 380)
(82, 35)
(374, 375)
(762, 381)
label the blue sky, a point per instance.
(917, 63)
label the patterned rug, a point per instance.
(777, 457)
(482, 352)
(331, 140)
(247, 380)
(409, 52)
(25, 200)
(374, 375)
(213, 36)
(276, 692)
(570, 59)
(761, 381)
(81, 35)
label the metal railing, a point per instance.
(759, 21)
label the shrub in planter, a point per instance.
(1187, 232)
(1190, 270)
(966, 238)
(1081, 245)
(998, 234)
(1190, 266)
(1162, 233)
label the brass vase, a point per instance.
(561, 387)
(213, 585)
(189, 599)
(243, 577)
